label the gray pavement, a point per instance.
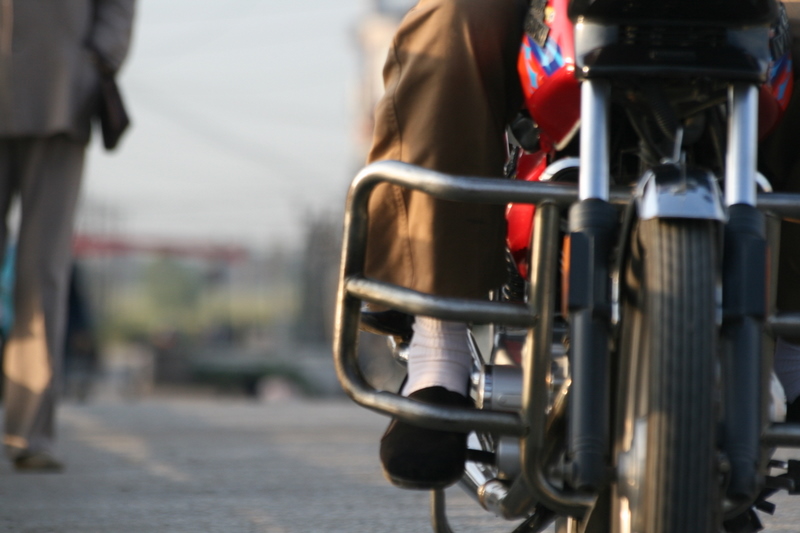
(212, 465)
(203, 465)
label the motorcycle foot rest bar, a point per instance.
(355, 289)
(782, 204)
(782, 436)
(784, 324)
(445, 308)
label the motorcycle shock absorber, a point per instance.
(592, 227)
(592, 224)
(743, 296)
(743, 302)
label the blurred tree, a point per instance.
(173, 287)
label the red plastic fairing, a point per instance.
(552, 94)
(520, 216)
(774, 96)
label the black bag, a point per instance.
(111, 111)
(114, 118)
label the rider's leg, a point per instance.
(787, 350)
(787, 368)
(439, 356)
(451, 87)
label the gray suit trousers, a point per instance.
(46, 174)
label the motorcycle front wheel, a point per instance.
(665, 449)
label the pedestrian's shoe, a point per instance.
(793, 412)
(37, 462)
(419, 458)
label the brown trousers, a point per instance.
(451, 87)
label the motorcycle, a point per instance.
(626, 384)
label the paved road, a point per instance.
(225, 466)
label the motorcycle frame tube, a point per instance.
(448, 187)
(454, 188)
(782, 436)
(784, 325)
(452, 309)
(741, 159)
(781, 204)
(594, 178)
(349, 306)
(536, 364)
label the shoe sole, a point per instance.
(415, 484)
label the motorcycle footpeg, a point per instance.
(765, 506)
(747, 522)
(793, 473)
(790, 481)
(782, 482)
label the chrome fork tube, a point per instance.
(744, 271)
(740, 165)
(594, 179)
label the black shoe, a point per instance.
(37, 462)
(390, 322)
(793, 412)
(419, 458)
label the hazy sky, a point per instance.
(242, 121)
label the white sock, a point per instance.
(439, 356)
(787, 368)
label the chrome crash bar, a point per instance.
(531, 424)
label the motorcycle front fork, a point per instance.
(593, 223)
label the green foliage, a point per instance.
(172, 286)
(147, 296)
